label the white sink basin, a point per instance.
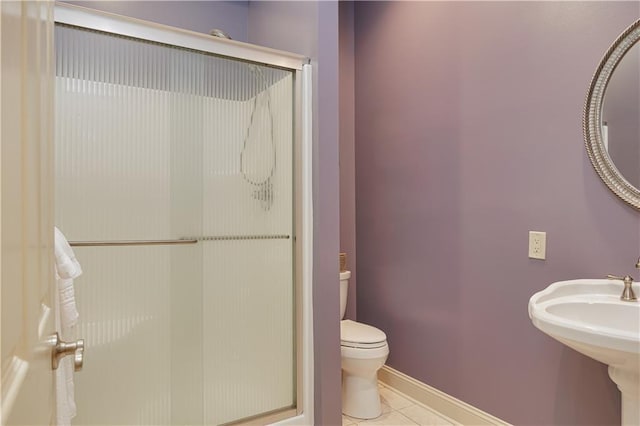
(588, 316)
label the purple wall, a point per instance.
(468, 135)
(311, 28)
(347, 150)
(199, 16)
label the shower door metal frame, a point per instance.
(302, 158)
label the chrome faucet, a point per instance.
(627, 294)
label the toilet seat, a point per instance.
(361, 336)
(364, 354)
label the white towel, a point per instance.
(67, 269)
(67, 265)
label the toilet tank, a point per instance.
(344, 286)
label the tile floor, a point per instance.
(400, 410)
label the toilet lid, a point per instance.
(355, 333)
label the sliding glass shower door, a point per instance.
(174, 176)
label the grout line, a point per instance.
(418, 403)
(407, 417)
(413, 402)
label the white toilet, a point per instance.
(364, 351)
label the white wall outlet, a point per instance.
(537, 245)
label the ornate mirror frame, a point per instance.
(592, 119)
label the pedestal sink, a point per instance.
(588, 316)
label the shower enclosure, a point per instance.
(180, 181)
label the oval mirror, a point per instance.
(611, 121)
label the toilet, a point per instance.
(364, 351)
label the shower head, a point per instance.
(219, 33)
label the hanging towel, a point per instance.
(67, 265)
(67, 269)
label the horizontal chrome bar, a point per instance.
(175, 242)
(131, 243)
(243, 237)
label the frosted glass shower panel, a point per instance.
(247, 194)
(156, 142)
(113, 182)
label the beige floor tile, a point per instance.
(347, 421)
(394, 400)
(353, 420)
(385, 410)
(423, 416)
(393, 418)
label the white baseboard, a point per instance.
(458, 411)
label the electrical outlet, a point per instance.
(537, 245)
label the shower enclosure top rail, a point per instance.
(176, 242)
(111, 23)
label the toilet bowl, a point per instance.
(364, 350)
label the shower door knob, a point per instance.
(61, 349)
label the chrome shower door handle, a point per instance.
(61, 349)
